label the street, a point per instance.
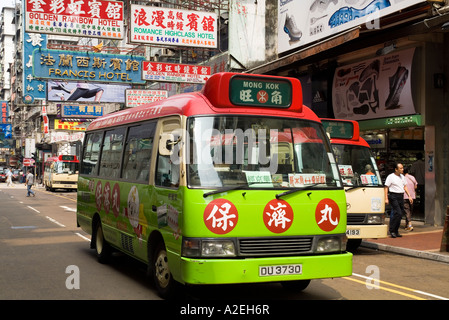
(45, 256)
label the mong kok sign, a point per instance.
(86, 66)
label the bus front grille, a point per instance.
(279, 246)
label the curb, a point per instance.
(408, 252)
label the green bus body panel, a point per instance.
(176, 213)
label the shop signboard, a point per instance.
(5, 112)
(374, 88)
(86, 66)
(137, 97)
(33, 88)
(82, 111)
(174, 72)
(81, 18)
(302, 22)
(173, 27)
(407, 121)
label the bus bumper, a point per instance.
(366, 231)
(222, 271)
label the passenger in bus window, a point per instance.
(369, 169)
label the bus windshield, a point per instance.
(357, 165)
(263, 152)
(66, 167)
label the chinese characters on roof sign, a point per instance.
(257, 92)
(339, 129)
(86, 66)
(87, 18)
(172, 72)
(173, 27)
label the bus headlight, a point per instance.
(331, 244)
(208, 248)
(375, 219)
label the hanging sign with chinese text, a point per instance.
(33, 89)
(137, 97)
(86, 66)
(86, 18)
(173, 27)
(173, 72)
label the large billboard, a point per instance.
(59, 90)
(86, 66)
(374, 88)
(304, 21)
(173, 27)
(82, 18)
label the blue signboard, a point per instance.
(34, 89)
(83, 111)
(6, 130)
(87, 66)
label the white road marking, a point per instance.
(54, 221)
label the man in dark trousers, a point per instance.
(395, 186)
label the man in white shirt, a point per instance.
(395, 186)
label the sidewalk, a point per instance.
(423, 242)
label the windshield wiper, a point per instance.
(296, 190)
(224, 189)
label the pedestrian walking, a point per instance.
(395, 187)
(9, 178)
(412, 184)
(29, 183)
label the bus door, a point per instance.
(167, 197)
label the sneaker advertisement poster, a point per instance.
(301, 22)
(374, 88)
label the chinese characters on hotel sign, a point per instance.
(173, 27)
(88, 18)
(172, 72)
(86, 66)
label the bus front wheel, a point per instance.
(102, 248)
(296, 285)
(163, 279)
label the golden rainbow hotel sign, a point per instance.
(86, 66)
(83, 18)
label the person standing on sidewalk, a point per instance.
(412, 184)
(395, 186)
(29, 183)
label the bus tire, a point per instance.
(102, 248)
(296, 285)
(353, 244)
(162, 277)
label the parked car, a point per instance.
(2, 176)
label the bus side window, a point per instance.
(111, 153)
(91, 152)
(138, 149)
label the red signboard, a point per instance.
(174, 72)
(87, 18)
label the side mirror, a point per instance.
(166, 142)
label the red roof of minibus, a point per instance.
(356, 139)
(213, 99)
